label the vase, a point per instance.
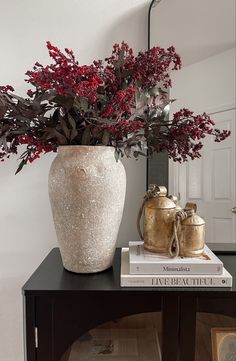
(87, 193)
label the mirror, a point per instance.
(198, 30)
(203, 33)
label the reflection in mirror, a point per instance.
(203, 33)
(199, 30)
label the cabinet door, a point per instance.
(131, 338)
(213, 324)
(107, 326)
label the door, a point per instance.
(210, 182)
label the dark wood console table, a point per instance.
(60, 306)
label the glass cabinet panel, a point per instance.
(134, 338)
(215, 337)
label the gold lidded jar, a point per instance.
(159, 216)
(191, 233)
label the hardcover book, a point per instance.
(144, 262)
(144, 280)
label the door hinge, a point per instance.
(36, 337)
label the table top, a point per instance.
(51, 276)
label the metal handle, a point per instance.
(234, 209)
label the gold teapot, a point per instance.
(159, 216)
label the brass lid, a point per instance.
(160, 203)
(156, 198)
(194, 220)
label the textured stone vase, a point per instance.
(87, 192)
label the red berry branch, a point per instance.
(120, 102)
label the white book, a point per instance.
(129, 280)
(144, 262)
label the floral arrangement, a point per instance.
(121, 102)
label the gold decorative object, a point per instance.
(169, 229)
(191, 233)
(159, 216)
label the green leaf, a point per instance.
(155, 91)
(84, 104)
(165, 112)
(117, 154)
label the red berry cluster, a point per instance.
(154, 66)
(35, 146)
(120, 102)
(124, 128)
(6, 88)
(66, 76)
(182, 139)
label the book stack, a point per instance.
(140, 268)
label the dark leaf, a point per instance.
(105, 138)
(60, 99)
(64, 127)
(73, 134)
(71, 121)
(49, 96)
(165, 112)
(137, 153)
(4, 129)
(53, 133)
(21, 165)
(21, 100)
(23, 155)
(127, 151)
(140, 145)
(86, 137)
(156, 91)
(117, 154)
(68, 104)
(84, 104)
(105, 121)
(3, 141)
(77, 104)
(3, 106)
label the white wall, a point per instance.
(90, 28)
(205, 85)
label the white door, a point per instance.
(210, 182)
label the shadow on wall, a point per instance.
(131, 28)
